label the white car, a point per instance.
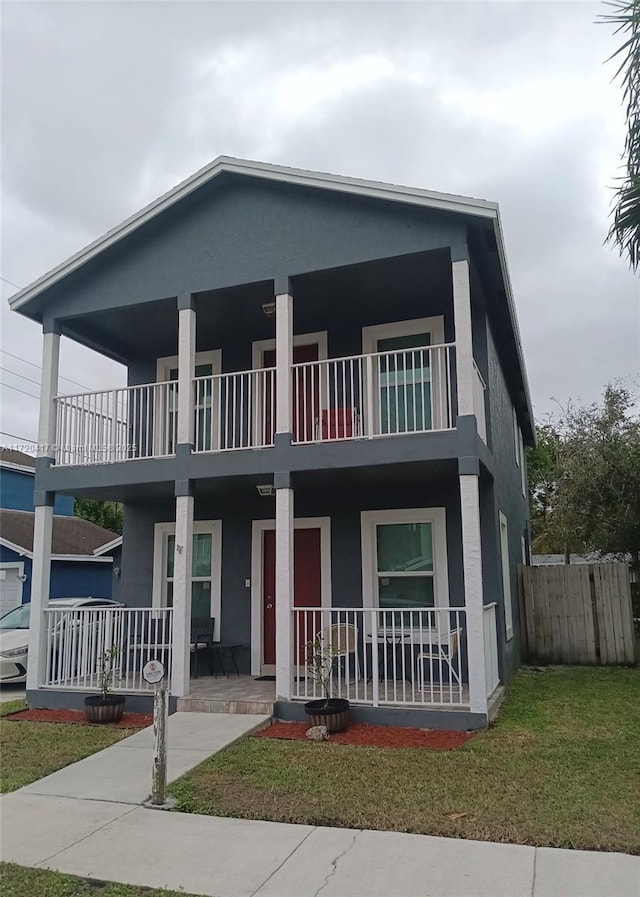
(14, 634)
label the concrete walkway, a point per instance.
(86, 820)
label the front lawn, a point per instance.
(29, 750)
(18, 881)
(561, 767)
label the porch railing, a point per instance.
(117, 424)
(378, 394)
(479, 387)
(491, 669)
(235, 411)
(78, 638)
(413, 657)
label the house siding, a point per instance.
(16, 493)
(503, 493)
(69, 579)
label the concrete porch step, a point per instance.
(217, 705)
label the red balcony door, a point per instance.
(306, 394)
(307, 585)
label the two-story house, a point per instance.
(83, 555)
(323, 427)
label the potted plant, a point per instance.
(105, 707)
(320, 655)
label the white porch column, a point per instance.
(284, 590)
(464, 342)
(48, 392)
(186, 367)
(473, 591)
(40, 582)
(284, 360)
(182, 594)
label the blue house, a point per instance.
(321, 441)
(82, 562)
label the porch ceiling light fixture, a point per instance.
(266, 489)
(269, 308)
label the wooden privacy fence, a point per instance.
(577, 613)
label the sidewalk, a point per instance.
(86, 820)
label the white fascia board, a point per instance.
(20, 468)
(82, 557)
(108, 546)
(19, 549)
(300, 177)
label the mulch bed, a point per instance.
(374, 736)
(77, 717)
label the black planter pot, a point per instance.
(100, 709)
(334, 713)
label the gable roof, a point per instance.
(72, 536)
(298, 176)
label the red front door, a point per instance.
(307, 582)
(306, 394)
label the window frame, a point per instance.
(159, 592)
(505, 564)
(370, 520)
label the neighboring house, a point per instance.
(82, 554)
(324, 423)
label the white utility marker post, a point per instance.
(153, 673)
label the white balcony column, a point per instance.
(47, 435)
(284, 360)
(182, 572)
(40, 585)
(186, 368)
(284, 586)
(473, 590)
(463, 333)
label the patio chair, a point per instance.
(202, 629)
(343, 640)
(443, 651)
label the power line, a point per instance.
(8, 386)
(22, 376)
(11, 282)
(39, 367)
(24, 438)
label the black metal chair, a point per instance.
(202, 640)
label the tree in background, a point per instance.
(625, 230)
(107, 514)
(584, 479)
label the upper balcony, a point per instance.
(378, 394)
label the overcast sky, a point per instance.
(107, 105)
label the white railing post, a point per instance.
(473, 591)
(182, 570)
(284, 360)
(284, 591)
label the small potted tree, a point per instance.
(105, 707)
(320, 656)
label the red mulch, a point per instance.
(128, 721)
(375, 736)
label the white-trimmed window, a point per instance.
(516, 437)
(206, 364)
(523, 463)
(206, 568)
(506, 577)
(404, 558)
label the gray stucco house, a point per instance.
(322, 436)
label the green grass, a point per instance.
(560, 767)
(29, 750)
(18, 881)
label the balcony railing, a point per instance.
(235, 411)
(78, 638)
(409, 657)
(117, 424)
(379, 394)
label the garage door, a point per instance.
(10, 589)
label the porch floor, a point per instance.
(238, 694)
